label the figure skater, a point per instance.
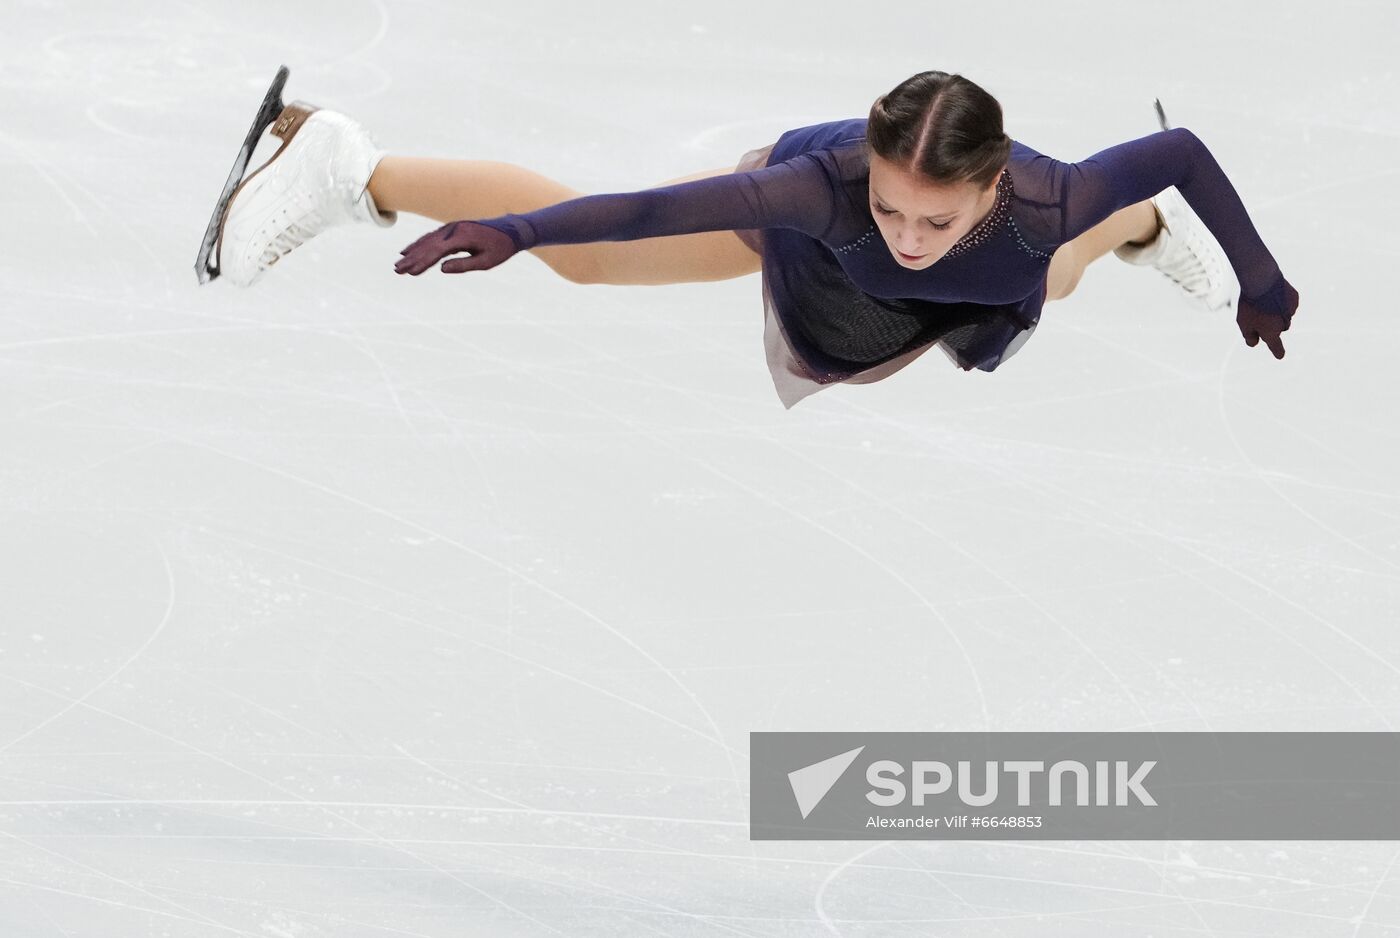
(877, 238)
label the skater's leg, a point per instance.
(1137, 224)
(447, 190)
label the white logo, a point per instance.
(811, 783)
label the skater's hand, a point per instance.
(487, 247)
(1256, 323)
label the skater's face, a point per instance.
(922, 218)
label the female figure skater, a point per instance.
(877, 238)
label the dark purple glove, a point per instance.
(487, 247)
(1257, 318)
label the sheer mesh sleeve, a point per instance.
(798, 193)
(1122, 175)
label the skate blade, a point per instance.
(1161, 114)
(272, 106)
(288, 122)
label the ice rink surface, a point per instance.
(361, 605)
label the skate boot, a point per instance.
(1187, 253)
(317, 179)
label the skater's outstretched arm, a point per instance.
(1122, 175)
(797, 193)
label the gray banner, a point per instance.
(1067, 786)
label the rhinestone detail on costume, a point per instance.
(989, 225)
(858, 242)
(1024, 246)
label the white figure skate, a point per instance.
(317, 179)
(1186, 252)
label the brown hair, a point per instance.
(944, 127)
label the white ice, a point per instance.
(361, 605)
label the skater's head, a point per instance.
(936, 149)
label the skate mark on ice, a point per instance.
(79, 701)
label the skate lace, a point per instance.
(1195, 269)
(292, 236)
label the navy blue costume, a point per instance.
(846, 305)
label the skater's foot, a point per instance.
(317, 179)
(1186, 252)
